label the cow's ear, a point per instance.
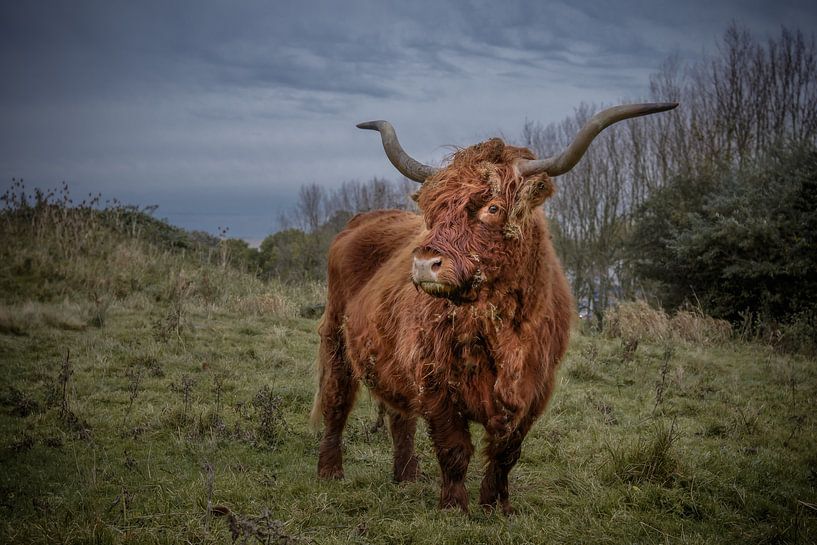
(539, 189)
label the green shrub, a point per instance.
(739, 241)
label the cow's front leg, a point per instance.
(452, 444)
(402, 428)
(501, 454)
(520, 382)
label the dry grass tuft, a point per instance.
(638, 321)
(651, 459)
(697, 328)
(21, 319)
(272, 303)
(11, 322)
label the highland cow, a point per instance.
(459, 314)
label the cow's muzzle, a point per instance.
(427, 272)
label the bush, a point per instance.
(740, 241)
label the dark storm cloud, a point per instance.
(225, 108)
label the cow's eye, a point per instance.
(493, 209)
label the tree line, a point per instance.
(298, 250)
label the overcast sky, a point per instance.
(218, 111)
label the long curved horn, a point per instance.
(407, 166)
(559, 164)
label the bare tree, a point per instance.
(376, 194)
(735, 104)
(310, 207)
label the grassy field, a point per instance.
(149, 395)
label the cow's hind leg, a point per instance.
(336, 396)
(402, 428)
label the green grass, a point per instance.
(194, 388)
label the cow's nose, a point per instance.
(425, 269)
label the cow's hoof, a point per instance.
(507, 509)
(455, 498)
(330, 473)
(409, 473)
(504, 506)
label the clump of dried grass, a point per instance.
(698, 328)
(11, 322)
(653, 459)
(637, 320)
(265, 304)
(20, 319)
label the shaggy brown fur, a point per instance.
(485, 352)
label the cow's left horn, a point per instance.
(407, 166)
(559, 164)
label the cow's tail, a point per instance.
(316, 414)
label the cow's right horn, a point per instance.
(559, 164)
(407, 166)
